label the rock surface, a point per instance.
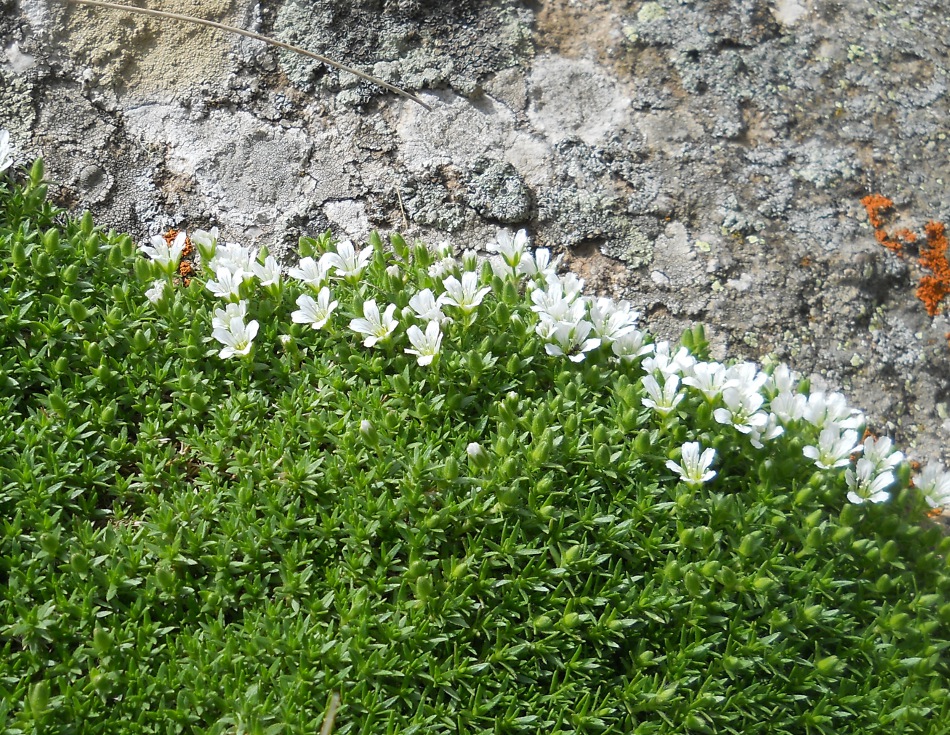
(705, 160)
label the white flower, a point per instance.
(441, 250)
(664, 400)
(878, 452)
(469, 260)
(6, 151)
(424, 346)
(501, 269)
(347, 261)
(789, 406)
(227, 283)
(315, 313)
(164, 254)
(157, 292)
(510, 248)
(555, 305)
(236, 338)
(374, 326)
(205, 238)
(746, 377)
(540, 264)
(834, 447)
(831, 410)
(443, 266)
(866, 484)
(267, 272)
(782, 380)
(425, 306)
(694, 470)
(223, 317)
(612, 319)
(662, 362)
(771, 430)
(707, 377)
(572, 285)
(631, 346)
(233, 257)
(934, 483)
(394, 272)
(465, 295)
(742, 411)
(567, 338)
(310, 271)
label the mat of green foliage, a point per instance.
(198, 544)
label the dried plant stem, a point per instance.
(331, 714)
(257, 37)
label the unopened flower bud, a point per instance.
(477, 456)
(369, 433)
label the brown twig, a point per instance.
(256, 37)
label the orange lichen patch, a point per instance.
(934, 512)
(186, 267)
(935, 286)
(876, 205)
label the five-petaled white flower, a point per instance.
(694, 470)
(465, 295)
(231, 312)
(834, 447)
(425, 306)
(315, 313)
(878, 452)
(164, 254)
(866, 484)
(227, 283)
(310, 271)
(511, 249)
(233, 257)
(631, 346)
(424, 346)
(934, 483)
(6, 151)
(347, 262)
(374, 326)
(267, 272)
(237, 338)
(662, 400)
(567, 338)
(709, 378)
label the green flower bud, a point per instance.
(39, 697)
(78, 311)
(101, 641)
(93, 351)
(51, 241)
(18, 253)
(450, 470)
(37, 171)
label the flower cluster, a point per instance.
(755, 405)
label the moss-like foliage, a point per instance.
(193, 543)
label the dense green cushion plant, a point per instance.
(494, 540)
